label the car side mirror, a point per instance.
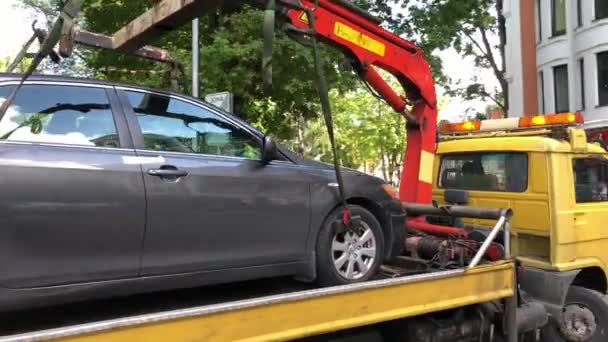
(269, 151)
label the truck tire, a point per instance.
(349, 257)
(584, 318)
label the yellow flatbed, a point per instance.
(303, 313)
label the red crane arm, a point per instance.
(370, 46)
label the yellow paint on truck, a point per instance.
(285, 320)
(352, 35)
(550, 229)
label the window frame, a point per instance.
(137, 134)
(554, 31)
(539, 20)
(116, 109)
(579, 13)
(595, 11)
(599, 86)
(541, 76)
(527, 158)
(555, 88)
(581, 70)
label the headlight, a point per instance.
(390, 191)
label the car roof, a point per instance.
(82, 80)
(40, 77)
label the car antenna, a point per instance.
(63, 26)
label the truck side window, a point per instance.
(590, 179)
(59, 114)
(501, 171)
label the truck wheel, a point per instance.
(584, 318)
(349, 257)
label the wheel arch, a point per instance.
(593, 278)
(309, 272)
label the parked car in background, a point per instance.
(111, 190)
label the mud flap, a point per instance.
(547, 287)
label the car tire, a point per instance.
(349, 257)
(588, 309)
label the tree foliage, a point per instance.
(465, 25)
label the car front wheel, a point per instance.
(350, 256)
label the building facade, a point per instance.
(557, 57)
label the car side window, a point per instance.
(59, 114)
(168, 124)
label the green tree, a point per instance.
(370, 135)
(231, 59)
(465, 25)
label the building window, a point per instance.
(579, 13)
(602, 78)
(601, 9)
(558, 17)
(581, 68)
(541, 89)
(539, 21)
(560, 83)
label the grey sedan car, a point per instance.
(112, 190)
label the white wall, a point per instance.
(513, 72)
(578, 42)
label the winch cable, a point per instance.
(66, 18)
(327, 115)
(269, 23)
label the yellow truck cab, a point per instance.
(556, 182)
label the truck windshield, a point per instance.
(590, 179)
(495, 171)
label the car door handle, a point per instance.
(167, 172)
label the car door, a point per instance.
(211, 204)
(72, 202)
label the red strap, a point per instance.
(346, 216)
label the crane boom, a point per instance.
(370, 46)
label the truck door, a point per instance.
(590, 175)
(72, 205)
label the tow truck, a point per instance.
(544, 168)
(450, 285)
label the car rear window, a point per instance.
(494, 171)
(59, 114)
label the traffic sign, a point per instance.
(223, 100)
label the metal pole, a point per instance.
(511, 302)
(486, 243)
(195, 58)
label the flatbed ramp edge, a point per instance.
(301, 314)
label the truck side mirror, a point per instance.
(269, 151)
(454, 196)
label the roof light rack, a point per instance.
(549, 121)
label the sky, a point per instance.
(15, 26)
